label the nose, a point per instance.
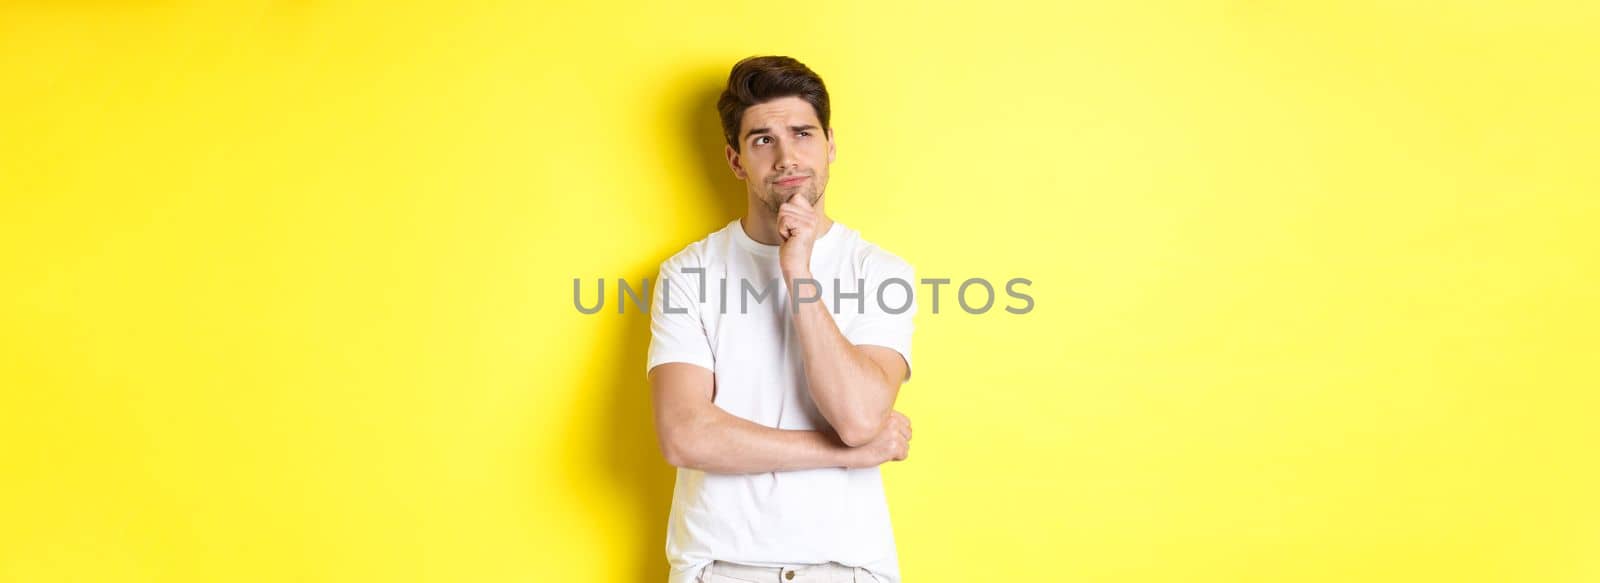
(785, 159)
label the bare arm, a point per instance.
(853, 386)
(695, 433)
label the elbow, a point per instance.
(854, 439)
(676, 451)
(858, 432)
(686, 441)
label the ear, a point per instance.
(733, 161)
(831, 151)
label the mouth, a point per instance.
(793, 181)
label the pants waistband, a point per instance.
(776, 574)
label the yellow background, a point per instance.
(287, 285)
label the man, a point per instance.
(778, 410)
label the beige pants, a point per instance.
(724, 572)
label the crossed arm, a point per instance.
(848, 383)
(695, 433)
(853, 386)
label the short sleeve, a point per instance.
(677, 335)
(891, 301)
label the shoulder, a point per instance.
(697, 254)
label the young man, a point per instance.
(778, 345)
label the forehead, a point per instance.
(781, 111)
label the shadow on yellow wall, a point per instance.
(627, 451)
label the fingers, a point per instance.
(800, 205)
(797, 211)
(790, 222)
(897, 437)
(790, 225)
(783, 226)
(900, 423)
(797, 216)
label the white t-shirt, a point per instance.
(776, 518)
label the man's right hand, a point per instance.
(893, 443)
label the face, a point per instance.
(782, 151)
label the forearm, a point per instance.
(850, 390)
(723, 443)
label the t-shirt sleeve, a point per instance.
(676, 335)
(887, 321)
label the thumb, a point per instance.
(800, 198)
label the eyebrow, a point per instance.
(766, 130)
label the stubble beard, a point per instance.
(774, 198)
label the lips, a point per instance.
(792, 181)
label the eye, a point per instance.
(805, 132)
(762, 140)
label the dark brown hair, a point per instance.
(757, 80)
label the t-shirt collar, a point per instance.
(765, 250)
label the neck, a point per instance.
(761, 224)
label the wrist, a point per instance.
(851, 457)
(791, 274)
